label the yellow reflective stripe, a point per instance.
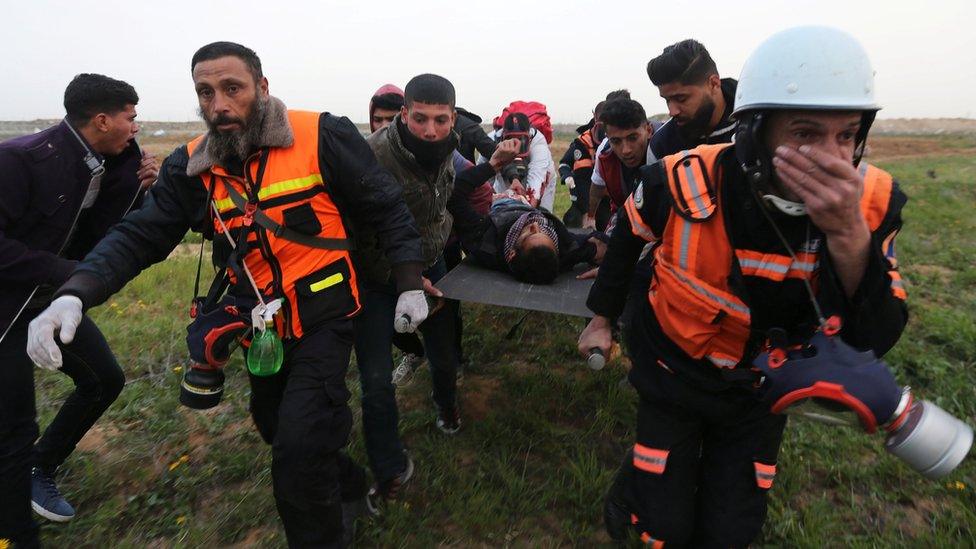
(224, 204)
(290, 185)
(326, 282)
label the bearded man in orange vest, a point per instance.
(273, 188)
(769, 235)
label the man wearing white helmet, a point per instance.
(758, 239)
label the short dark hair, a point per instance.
(429, 88)
(216, 50)
(388, 101)
(686, 62)
(618, 94)
(623, 113)
(536, 265)
(90, 94)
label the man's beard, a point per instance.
(700, 124)
(225, 147)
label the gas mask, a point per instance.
(829, 381)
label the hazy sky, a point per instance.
(332, 55)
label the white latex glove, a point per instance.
(63, 316)
(570, 183)
(411, 310)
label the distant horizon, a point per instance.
(486, 121)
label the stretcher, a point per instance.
(472, 283)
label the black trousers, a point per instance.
(303, 412)
(704, 461)
(98, 381)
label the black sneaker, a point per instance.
(389, 489)
(616, 514)
(351, 513)
(448, 420)
(616, 519)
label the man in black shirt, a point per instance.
(699, 102)
(739, 231)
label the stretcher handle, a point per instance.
(596, 360)
(434, 305)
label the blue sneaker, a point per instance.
(46, 500)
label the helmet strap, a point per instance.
(861, 139)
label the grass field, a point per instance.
(542, 434)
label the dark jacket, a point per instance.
(425, 194)
(364, 192)
(472, 136)
(43, 180)
(668, 140)
(483, 235)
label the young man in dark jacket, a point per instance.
(418, 149)
(261, 165)
(576, 168)
(513, 236)
(62, 189)
(699, 102)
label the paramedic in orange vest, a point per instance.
(739, 230)
(306, 172)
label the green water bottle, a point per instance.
(266, 354)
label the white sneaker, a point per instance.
(403, 373)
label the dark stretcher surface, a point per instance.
(469, 282)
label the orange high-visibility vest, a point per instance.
(316, 284)
(689, 292)
(586, 138)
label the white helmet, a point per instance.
(808, 67)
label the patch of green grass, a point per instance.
(542, 435)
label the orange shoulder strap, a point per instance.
(692, 177)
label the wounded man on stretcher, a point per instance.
(506, 234)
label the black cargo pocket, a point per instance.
(325, 294)
(302, 219)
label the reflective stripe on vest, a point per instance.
(276, 189)
(777, 267)
(689, 292)
(317, 285)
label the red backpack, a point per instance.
(536, 112)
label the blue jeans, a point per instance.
(373, 340)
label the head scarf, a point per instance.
(511, 239)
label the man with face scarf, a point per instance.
(699, 102)
(417, 148)
(260, 165)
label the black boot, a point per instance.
(616, 512)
